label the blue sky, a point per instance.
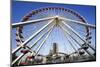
(19, 9)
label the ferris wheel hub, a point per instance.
(57, 16)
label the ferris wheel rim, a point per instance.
(29, 15)
(36, 11)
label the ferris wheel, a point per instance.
(41, 28)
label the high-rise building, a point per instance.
(55, 48)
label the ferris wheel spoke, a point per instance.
(40, 46)
(17, 59)
(70, 35)
(77, 34)
(79, 22)
(79, 28)
(33, 45)
(67, 33)
(75, 39)
(31, 37)
(41, 37)
(14, 25)
(70, 42)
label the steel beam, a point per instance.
(75, 40)
(33, 44)
(77, 34)
(14, 25)
(69, 41)
(78, 22)
(41, 37)
(68, 38)
(39, 47)
(17, 59)
(31, 37)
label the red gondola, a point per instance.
(30, 57)
(24, 51)
(23, 63)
